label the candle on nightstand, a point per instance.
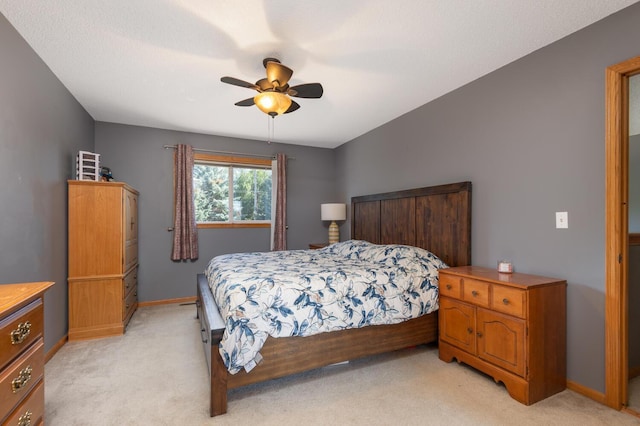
(505, 267)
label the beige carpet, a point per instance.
(156, 374)
(634, 394)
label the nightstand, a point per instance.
(509, 326)
(316, 246)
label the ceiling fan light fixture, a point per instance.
(272, 103)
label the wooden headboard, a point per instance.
(436, 218)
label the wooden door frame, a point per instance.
(616, 238)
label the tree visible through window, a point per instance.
(231, 190)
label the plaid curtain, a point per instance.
(185, 233)
(280, 222)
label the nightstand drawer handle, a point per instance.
(25, 419)
(474, 293)
(479, 334)
(448, 286)
(22, 379)
(505, 301)
(19, 334)
(469, 330)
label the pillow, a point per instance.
(404, 256)
(350, 249)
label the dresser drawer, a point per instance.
(17, 380)
(450, 286)
(19, 330)
(131, 255)
(476, 292)
(509, 300)
(31, 410)
(130, 282)
(130, 304)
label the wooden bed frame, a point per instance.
(436, 218)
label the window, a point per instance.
(231, 191)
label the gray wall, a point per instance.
(530, 136)
(42, 127)
(136, 156)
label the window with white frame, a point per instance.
(232, 191)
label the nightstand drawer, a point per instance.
(476, 292)
(450, 286)
(509, 300)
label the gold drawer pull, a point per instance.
(21, 381)
(505, 301)
(474, 293)
(19, 334)
(25, 419)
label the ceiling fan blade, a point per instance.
(308, 90)
(263, 85)
(278, 74)
(246, 102)
(294, 106)
(237, 82)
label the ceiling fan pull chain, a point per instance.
(270, 122)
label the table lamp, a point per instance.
(333, 212)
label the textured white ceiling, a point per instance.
(158, 63)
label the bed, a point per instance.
(437, 219)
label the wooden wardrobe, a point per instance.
(103, 258)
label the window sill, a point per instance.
(232, 225)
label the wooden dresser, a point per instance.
(22, 353)
(103, 258)
(510, 326)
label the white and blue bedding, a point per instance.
(303, 292)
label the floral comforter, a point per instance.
(303, 292)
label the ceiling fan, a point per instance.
(274, 93)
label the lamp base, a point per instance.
(334, 233)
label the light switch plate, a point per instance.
(562, 220)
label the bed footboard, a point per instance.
(290, 355)
(211, 329)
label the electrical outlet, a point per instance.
(562, 220)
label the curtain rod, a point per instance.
(213, 151)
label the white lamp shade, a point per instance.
(333, 211)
